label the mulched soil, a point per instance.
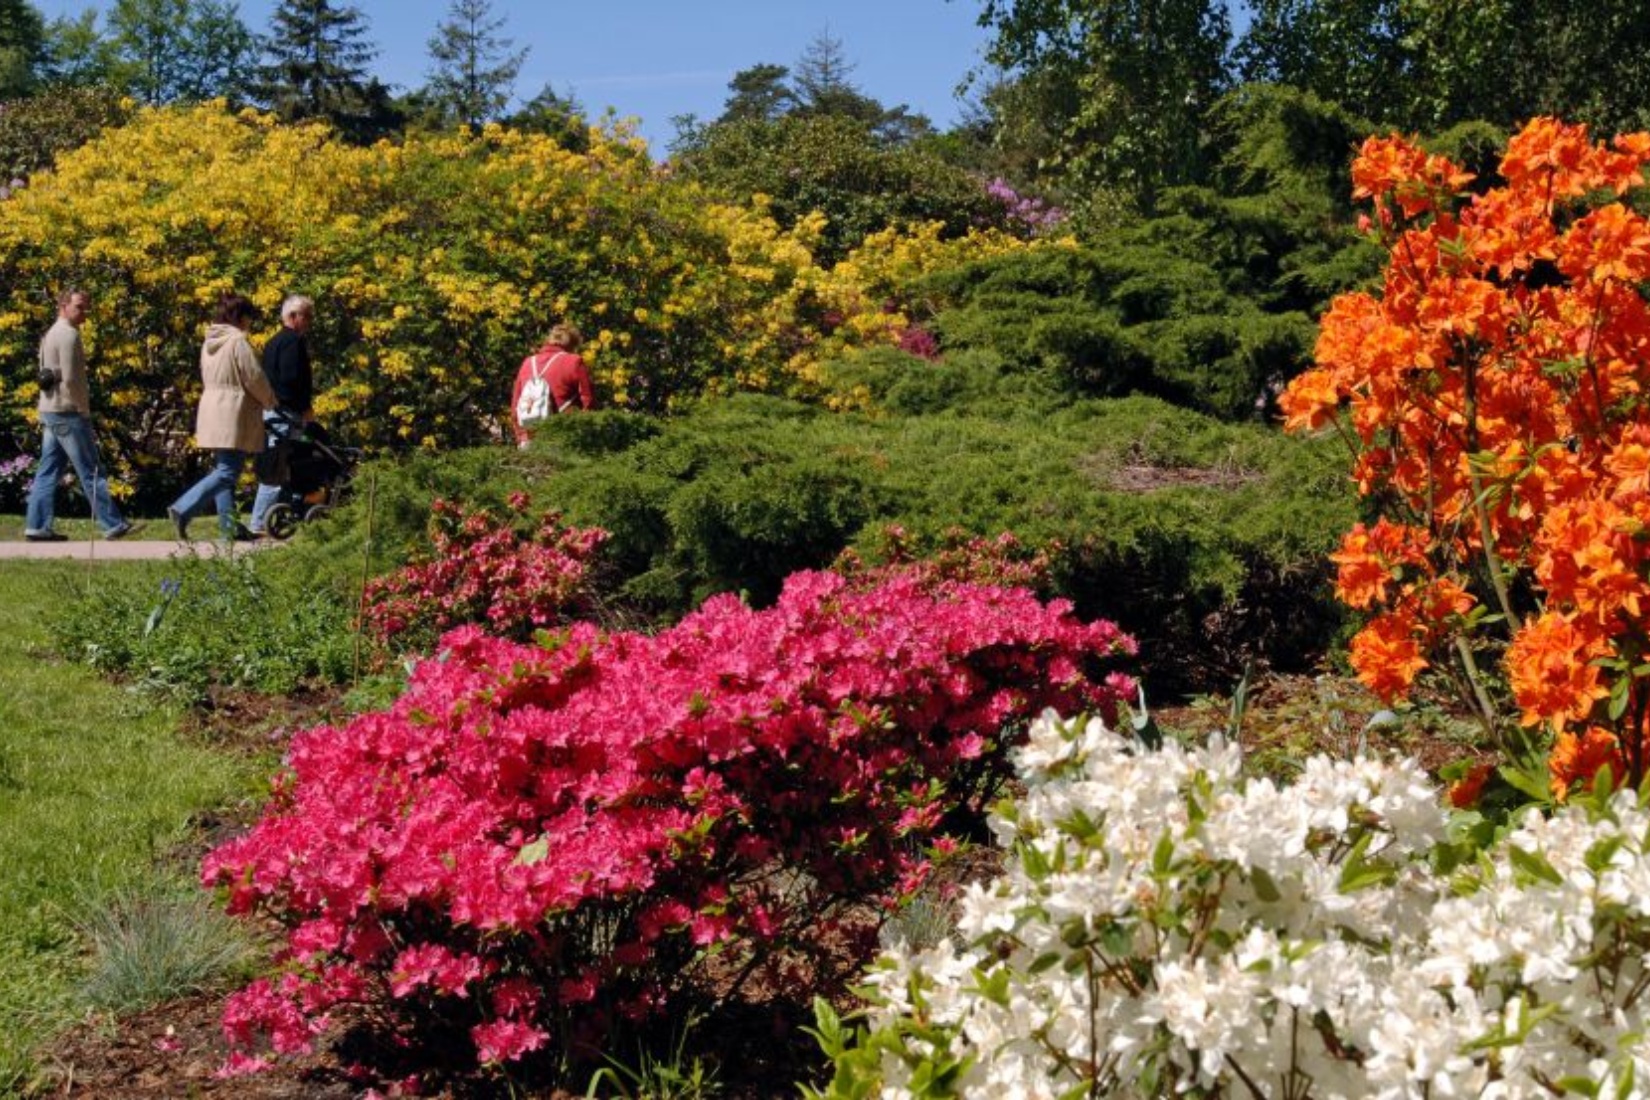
(174, 1050)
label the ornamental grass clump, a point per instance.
(538, 843)
(1167, 927)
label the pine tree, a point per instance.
(22, 47)
(317, 55)
(475, 70)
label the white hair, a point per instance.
(296, 303)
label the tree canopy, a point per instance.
(475, 69)
(317, 56)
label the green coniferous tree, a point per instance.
(22, 47)
(475, 70)
(317, 55)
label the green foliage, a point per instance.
(34, 131)
(557, 116)
(1138, 75)
(475, 69)
(835, 164)
(1206, 304)
(1136, 318)
(94, 784)
(1349, 51)
(673, 1076)
(22, 46)
(1505, 61)
(189, 624)
(1204, 539)
(170, 51)
(317, 54)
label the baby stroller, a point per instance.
(313, 473)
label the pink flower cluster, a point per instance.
(482, 571)
(1029, 211)
(578, 830)
(1003, 561)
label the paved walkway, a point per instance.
(126, 549)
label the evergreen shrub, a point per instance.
(1205, 538)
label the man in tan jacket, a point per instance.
(66, 429)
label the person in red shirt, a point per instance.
(558, 363)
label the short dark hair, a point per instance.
(69, 294)
(234, 308)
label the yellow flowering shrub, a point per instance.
(437, 263)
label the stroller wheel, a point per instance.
(280, 521)
(319, 511)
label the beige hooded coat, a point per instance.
(230, 417)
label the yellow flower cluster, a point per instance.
(436, 263)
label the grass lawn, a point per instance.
(95, 783)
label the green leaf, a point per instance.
(534, 852)
(1265, 889)
(1163, 856)
(1526, 781)
(1534, 865)
(993, 986)
(1601, 855)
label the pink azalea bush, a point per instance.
(482, 570)
(537, 841)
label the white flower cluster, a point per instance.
(1167, 927)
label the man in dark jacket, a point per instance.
(287, 366)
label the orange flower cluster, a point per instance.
(1494, 393)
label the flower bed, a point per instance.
(536, 842)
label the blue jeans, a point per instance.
(268, 494)
(67, 440)
(219, 487)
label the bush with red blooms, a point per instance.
(956, 555)
(538, 842)
(483, 570)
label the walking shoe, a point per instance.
(179, 524)
(126, 528)
(44, 536)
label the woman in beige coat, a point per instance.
(229, 422)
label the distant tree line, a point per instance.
(313, 62)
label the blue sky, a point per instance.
(657, 58)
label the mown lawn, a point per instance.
(95, 785)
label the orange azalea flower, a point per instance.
(1496, 403)
(1550, 664)
(1386, 655)
(1397, 166)
(1506, 231)
(1309, 401)
(1370, 559)
(1628, 462)
(1576, 759)
(1465, 792)
(1465, 307)
(1442, 599)
(1553, 154)
(1612, 242)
